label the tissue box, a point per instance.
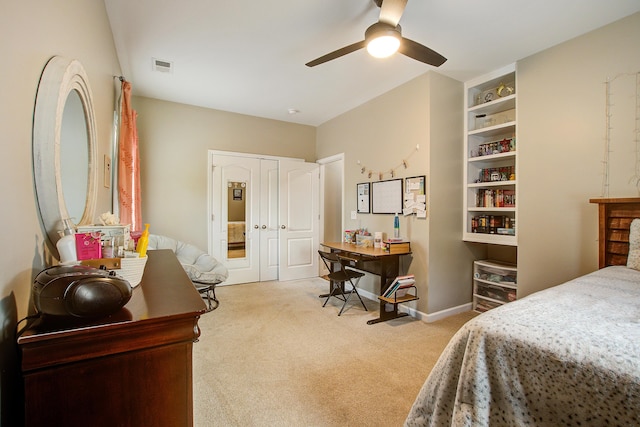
(88, 246)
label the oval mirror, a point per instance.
(64, 148)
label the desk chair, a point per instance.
(339, 278)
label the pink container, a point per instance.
(88, 246)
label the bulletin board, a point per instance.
(364, 198)
(386, 196)
(415, 199)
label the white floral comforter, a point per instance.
(568, 355)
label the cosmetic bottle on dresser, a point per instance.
(67, 244)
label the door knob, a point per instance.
(282, 226)
(264, 227)
(255, 226)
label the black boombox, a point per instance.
(79, 291)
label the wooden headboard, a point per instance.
(614, 219)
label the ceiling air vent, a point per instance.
(162, 66)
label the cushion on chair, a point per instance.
(199, 265)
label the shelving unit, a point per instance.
(404, 293)
(491, 158)
(405, 298)
(494, 284)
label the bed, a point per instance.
(568, 355)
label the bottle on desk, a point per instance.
(396, 227)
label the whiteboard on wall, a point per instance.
(386, 196)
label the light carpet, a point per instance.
(271, 355)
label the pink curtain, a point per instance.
(129, 164)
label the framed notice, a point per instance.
(386, 196)
(415, 200)
(364, 197)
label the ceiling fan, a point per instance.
(384, 38)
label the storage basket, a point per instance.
(364, 241)
(132, 269)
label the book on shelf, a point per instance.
(506, 231)
(492, 198)
(403, 288)
(400, 282)
(402, 291)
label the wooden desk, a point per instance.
(133, 368)
(378, 262)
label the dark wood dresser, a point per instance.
(133, 368)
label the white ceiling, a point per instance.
(248, 56)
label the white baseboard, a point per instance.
(438, 315)
(427, 318)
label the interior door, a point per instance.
(278, 222)
(299, 219)
(269, 225)
(235, 232)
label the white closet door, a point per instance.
(269, 225)
(243, 172)
(299, 219)
(280, 221)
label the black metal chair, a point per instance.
(208, 292)
(331, 261)
(339, 278)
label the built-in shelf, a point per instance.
(491, 158)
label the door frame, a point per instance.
(323, 176)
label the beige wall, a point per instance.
(34, 31)
(380, 134)
(425, 112)
(561, 129)
(38, 30)
(450, 259)
(174, 142)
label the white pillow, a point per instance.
(633, 260)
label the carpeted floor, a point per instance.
(271, 355)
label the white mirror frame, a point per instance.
(59, 78)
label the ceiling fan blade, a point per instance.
(336, 54)
(420, 53)
(391, 11)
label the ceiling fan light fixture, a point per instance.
(382, 40)
(384, 46)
